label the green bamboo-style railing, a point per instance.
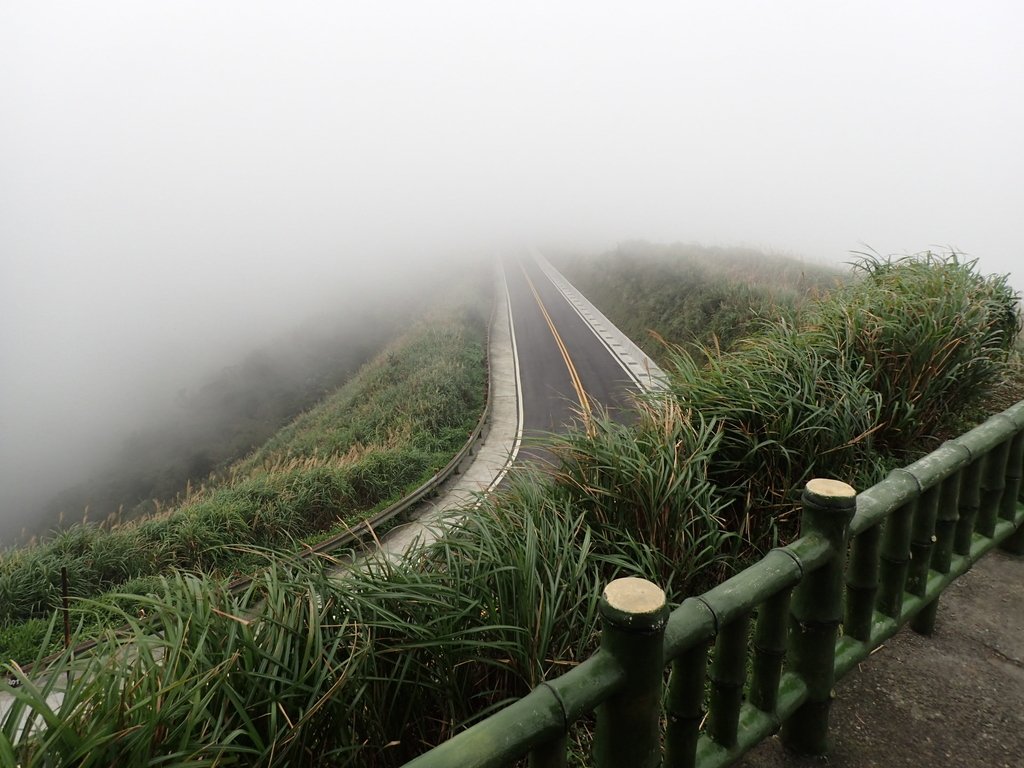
(865, 565)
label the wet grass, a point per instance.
(367, 666)
(859, 381)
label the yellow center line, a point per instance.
(574, 376)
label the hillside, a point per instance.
(385, 431)
(690, 295)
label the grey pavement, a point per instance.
(955, 699)
(644, 371)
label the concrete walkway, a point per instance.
(954, 699)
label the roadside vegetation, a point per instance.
(373, 664)
(692, 296)
(387, 430)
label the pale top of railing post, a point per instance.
(824, 494)
(633, 602)
(634, 614)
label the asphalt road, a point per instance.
(565, 370)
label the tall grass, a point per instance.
(650, 482)
(846, 388)
(786, 411)
(931, 334)
(367, 666)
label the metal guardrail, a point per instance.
(865, 565)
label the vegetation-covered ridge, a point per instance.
(392, 426)
(221, 419)
(373, 664)
(690, 295)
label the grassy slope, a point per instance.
(403, 656)
(398, 421)
(692, 296)
(228, 416)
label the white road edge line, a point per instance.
(654, 374)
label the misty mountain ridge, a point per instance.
(219, 419)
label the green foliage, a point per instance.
(535, 567)
(860, 376)
(366, 666)
(650, 482)
(786, 412)
(371, 478)
(25, 639)
(417, 388)
(691, 296)
(932, 335)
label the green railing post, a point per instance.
(633, 613)
(895, 556)
(728, 674)
(1014, 544)
(686, 706)
(922, 546)
(816, 612)
(769, 651)
(942, 553)
(970, 500)
(993, 483)
(862, 583)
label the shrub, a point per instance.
(786, 412)
(650, 481)
(931, 334)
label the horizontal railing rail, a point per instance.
(762, 651)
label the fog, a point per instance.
(181, 180)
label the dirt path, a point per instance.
(953, 699)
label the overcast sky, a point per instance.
(174, 171)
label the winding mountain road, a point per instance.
(553, 358)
